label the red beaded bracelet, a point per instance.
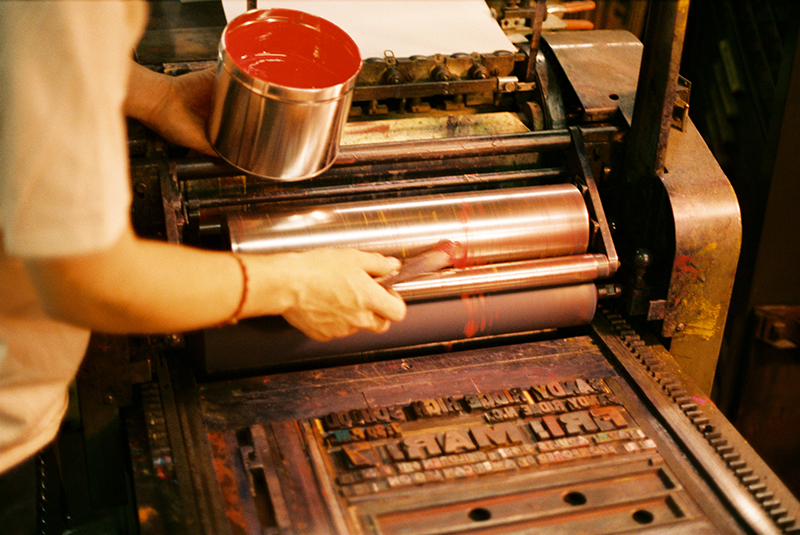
(234, 319)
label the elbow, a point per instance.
(60, 305)
(58, 309)
(59, 295)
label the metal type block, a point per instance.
(569, 423)
(512, 439)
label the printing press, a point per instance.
(552, 378)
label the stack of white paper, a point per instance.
(405, 27)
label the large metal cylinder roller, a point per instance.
(491, 226)
(270, 341)
(524, 266)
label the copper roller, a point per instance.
(491, 226)
(270, 340)
(522, 266)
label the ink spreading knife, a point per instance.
(443, 255)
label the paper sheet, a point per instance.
(406, 27)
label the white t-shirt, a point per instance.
(64, 188)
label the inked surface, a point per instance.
(282, 47)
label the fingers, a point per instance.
(328, 333)
(387, 304)
(337, 327)
(376, 264)
(184, 120)
(384, 303)
(337, 295)
(381, 326)
(323, 332)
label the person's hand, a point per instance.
(334, 294)
(183, 115)
(176, 107)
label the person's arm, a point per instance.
(70, 224)
(145, 286)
